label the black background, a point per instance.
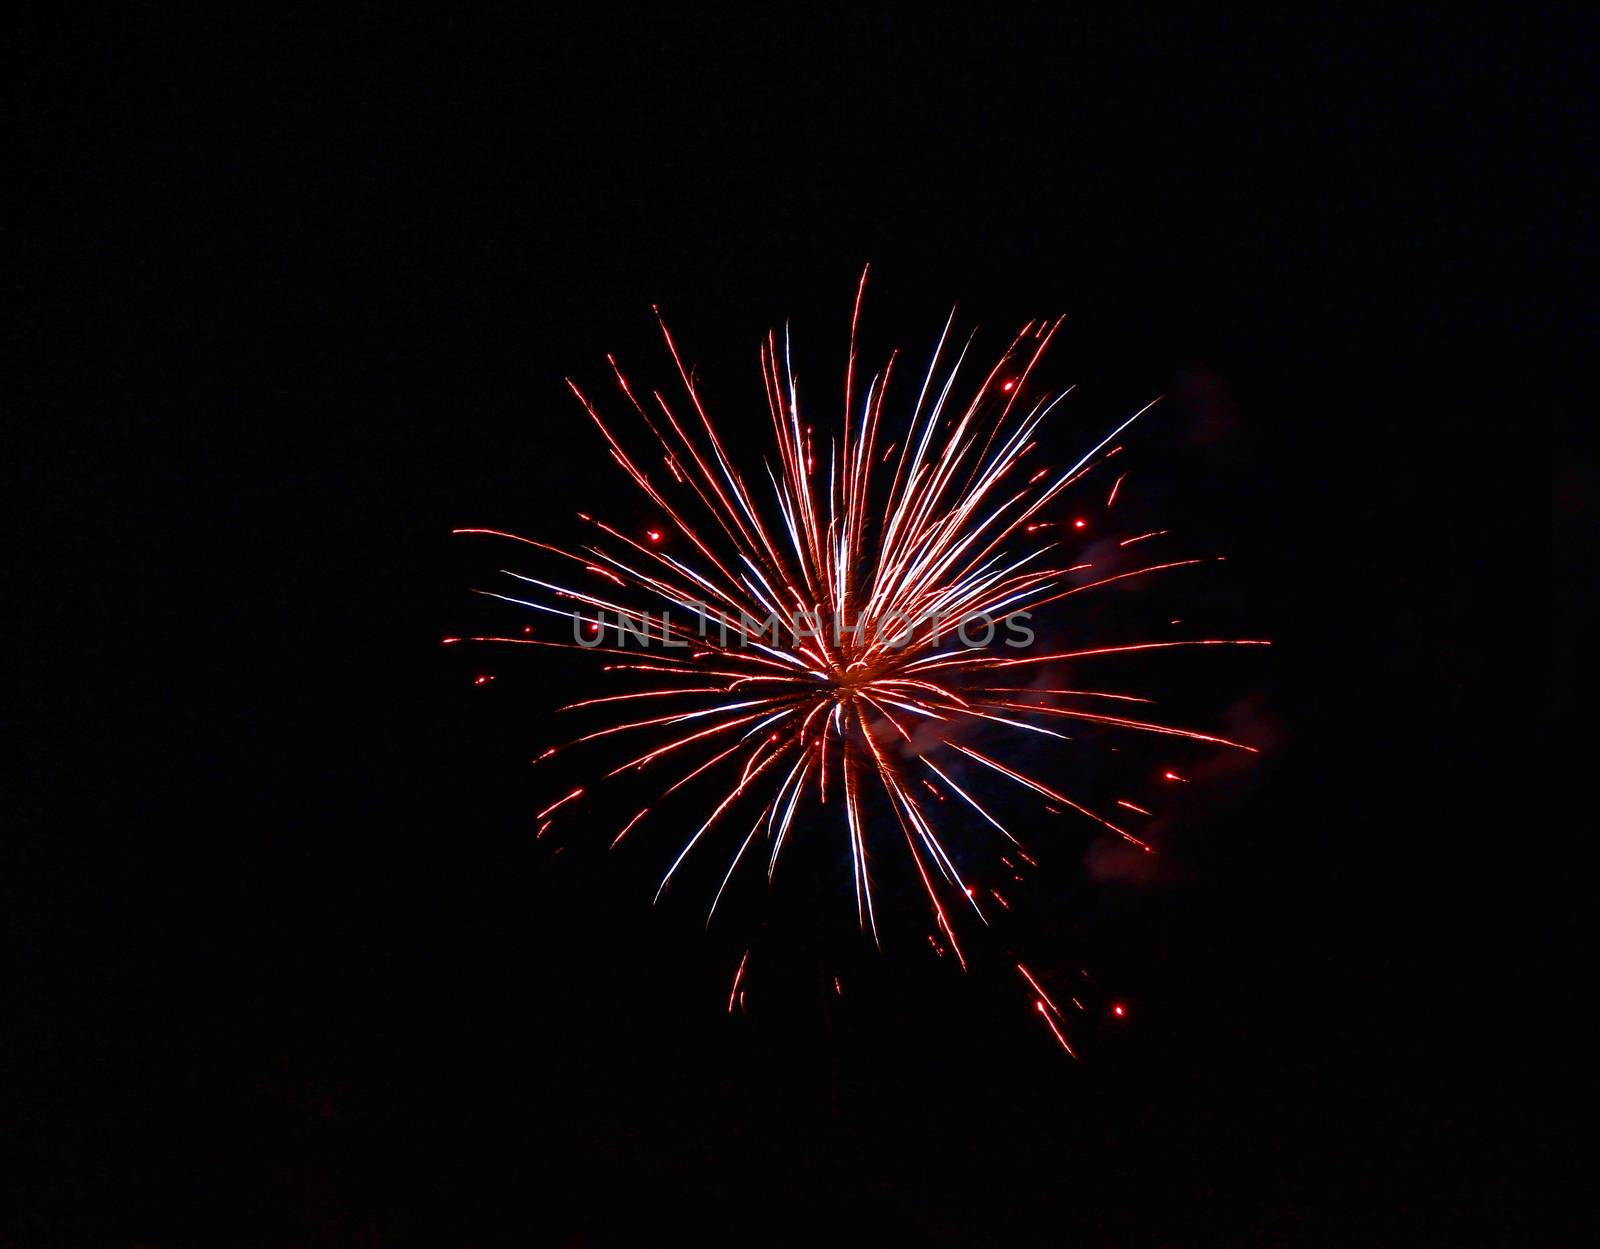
(284, 963)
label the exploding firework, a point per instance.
(844, 624)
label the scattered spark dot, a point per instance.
(653, 534)
(1119, 1011)
(1080, 523)
(482, 680)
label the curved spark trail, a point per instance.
(802, 623)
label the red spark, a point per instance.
(1055, 1031)
(561, 803)
(734, 996)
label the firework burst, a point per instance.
(842, 621)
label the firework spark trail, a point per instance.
(815, 634)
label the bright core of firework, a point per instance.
(867, 557)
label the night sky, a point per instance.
(284, 964)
